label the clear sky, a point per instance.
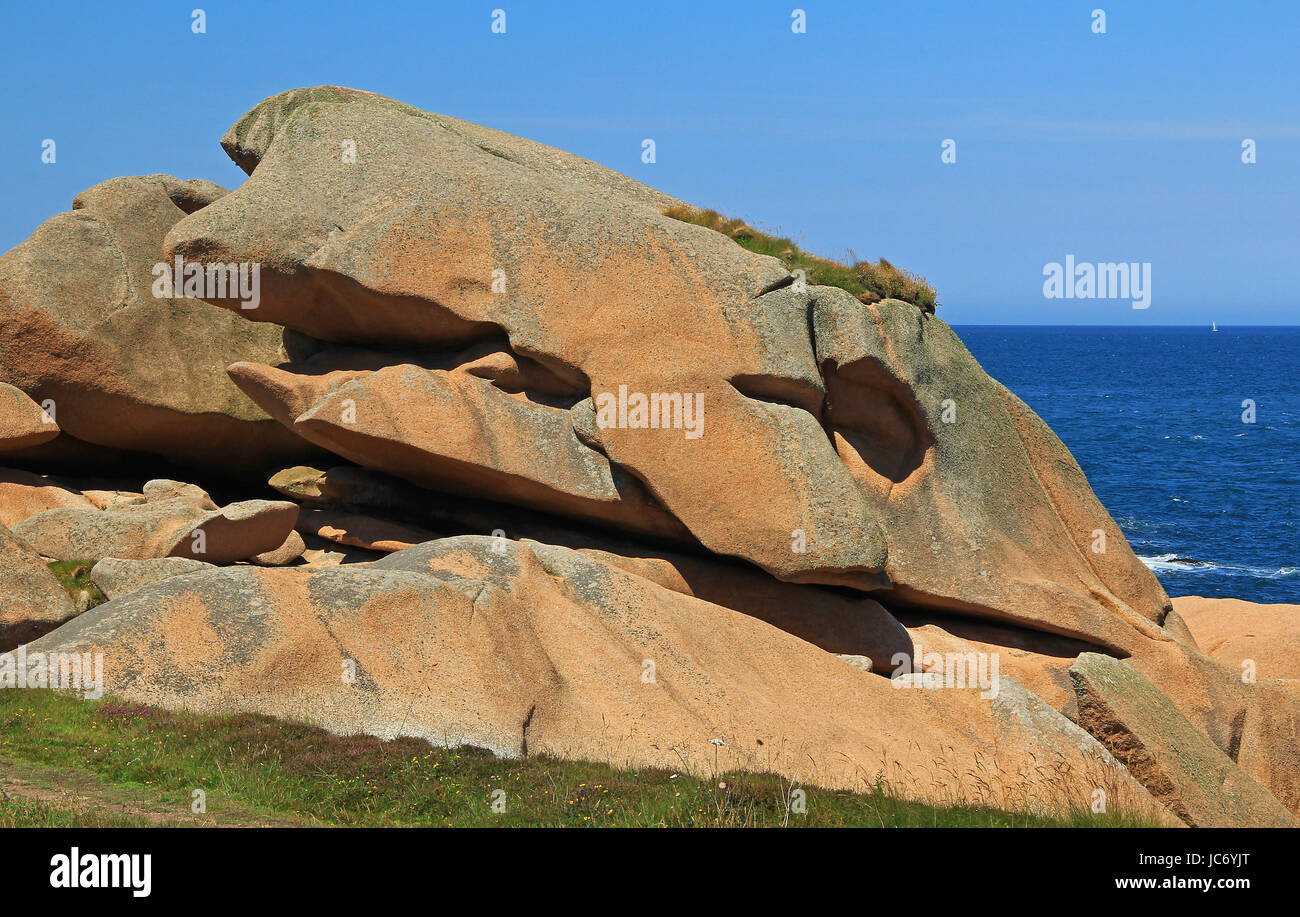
(1123, 146)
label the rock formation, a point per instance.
(1172, 758)
(1263, 638)
(23, 422)
(80, 326)
(116, 576)
(175, 520)
(536, 649)
(600, 483)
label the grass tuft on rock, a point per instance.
(133, 764)
(867, 281)
(74, 577)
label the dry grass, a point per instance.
(867, 281)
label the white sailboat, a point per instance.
(1214, 326)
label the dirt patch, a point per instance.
(83, 791)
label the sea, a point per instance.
(1190, 437)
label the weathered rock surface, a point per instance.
(676, 307)
(23, 422)
(533, 649)
(320, 552)
(117, 576)
(108, 499)
(837, 621)
(361, 531)
(480, 324)
(79, 325)
(353, 486)
(1177, 628)
(454, 431)
(1256, 724)
(177, 520)
(985, 511)
(287, 553)
(1040, 662)
(536, 290)
(1169, 755)
(32, 601)
(301, 483)
(24, 494)
(1236, 632)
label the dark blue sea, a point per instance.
(1154, 418)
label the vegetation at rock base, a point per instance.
(74, 577)
(867, 281)
(67, 761)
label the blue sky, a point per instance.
(1117, 147)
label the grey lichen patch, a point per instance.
(497, 554)
(1171, 757)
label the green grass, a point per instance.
(257, 770)
(23, 813)
(74, 576)
(867, 281)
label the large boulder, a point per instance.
(529, 649)
(1264, 639)
(117, 576)
(1172, 758)
(428, 215)
(23, 422)
(176, 520)
(32, 601)
(287, 553)
(838, 621)
(1254, 721)
(24, 494)
(455, 431)
(544, 298)
(985, 511)
(79, 325)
